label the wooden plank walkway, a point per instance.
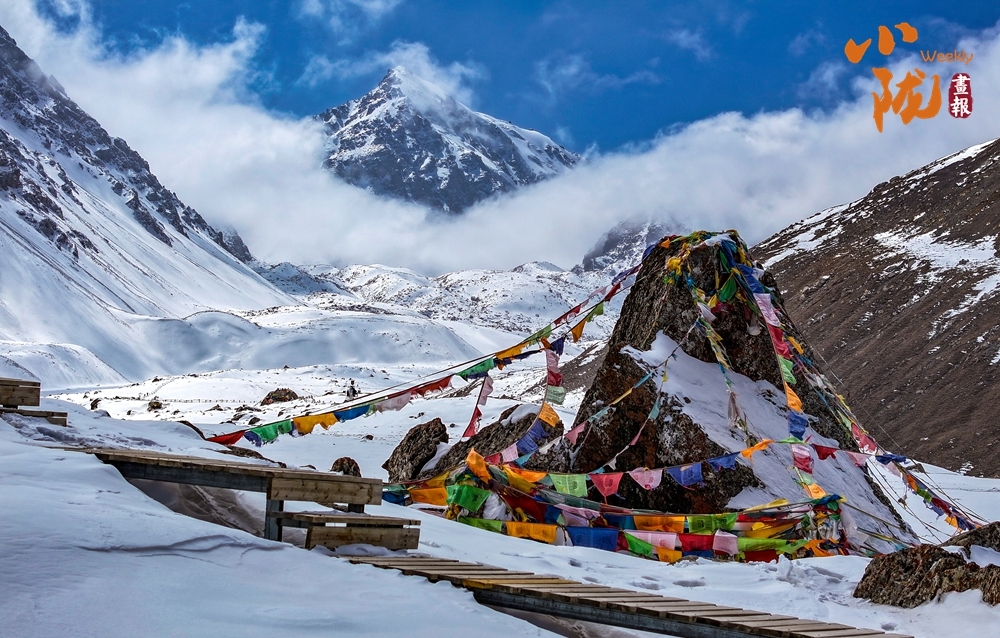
(330, 529)
(626, 608)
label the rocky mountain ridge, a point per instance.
(898, 291)
(408, 139)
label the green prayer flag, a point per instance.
(479, 368)
(541, 334)
(555, 394)
(596, 312)
(758, 544)
(269, 432)
(468, 496)
(728, 289)
(572, 484)
(709, 523)
(284, 427)
(786, 370)
(482, 523)
(640, 547)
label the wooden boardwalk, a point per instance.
(626, 608)
(330, 529)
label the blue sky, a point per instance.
(707, 115)
(588, 73)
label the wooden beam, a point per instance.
(388, 537)
(319, 490)
(190, 476)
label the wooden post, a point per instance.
(356, 508)
(272, 525)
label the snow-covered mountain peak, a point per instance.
(409, 139)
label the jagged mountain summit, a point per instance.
(410, 140)
(899, 290)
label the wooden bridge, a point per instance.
(556, 596)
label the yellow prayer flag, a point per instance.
(659, 523)
(814, 491)
(528, 475)
(536, 531)
(667, 555)
(477, 464)
(577, 330)
(794, 402)
(510, 352)
(548, 415)
(430, 495)
(437, 481)
(517, 482)
(749, 452)
(305, 424)
(795, 344)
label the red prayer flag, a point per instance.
(824, 452)
(696, 542)
(606, 484)
(228, 439)
(471, 428)
(802, 457)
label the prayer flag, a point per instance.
(857, 458)
(352, 413)
(864, 441)
(666, 540)
(526, 505)
(486, 390)
(606, 484)
(253, 438)
(749, 452)
(227, 439)
(558, 345)
(480, 369)
(638, 546)
(802, 457)
(393, 402)
(726, 462)
(786, 370)
(794, 402)
(572, 484)
(887, 458)
(467, 496)
(510, 353)
(708, 523)
(509, 454)
(686, 475)
(555, 394)
(548, 415)
(430, 495)
(621, 521)
(648, 479)
(824, 452)
(516, 481)
(577, 330)
(573, 434)
(778, 341)
(493, 459)
(482, 523)
(767, 309)
(470, 430)
(797, 423)
(696, 542)
(477, 464)
(305, 424)
(668, 555)
(535, 531)
(529, 442)
(432, 386)
(605, 538)
(660, 523)
(725, 543)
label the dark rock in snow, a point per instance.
(279, 396)
(346, 466)
(417, 448)
(913, 576)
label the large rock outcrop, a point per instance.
(914, 576)
(417, 448)
(658, 319)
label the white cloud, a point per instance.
(689, 40)
(454, 78)
(802, 42)
(563, 73)
(347, 18)
(186, 109)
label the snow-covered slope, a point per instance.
(409, 139)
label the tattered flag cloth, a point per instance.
(228, 439)
(477, 414)
(433, 386)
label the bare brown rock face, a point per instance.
(346, 466)
(417, 447)
(278, 396)
(898, 290)
(911, 577)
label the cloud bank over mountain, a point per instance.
(191, 111)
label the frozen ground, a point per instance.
(88, 554)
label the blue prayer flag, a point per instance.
(726, 462)
(599, 537)
(686, 474)
(797, 423)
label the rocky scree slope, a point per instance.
(408, 139)
(898, 291)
